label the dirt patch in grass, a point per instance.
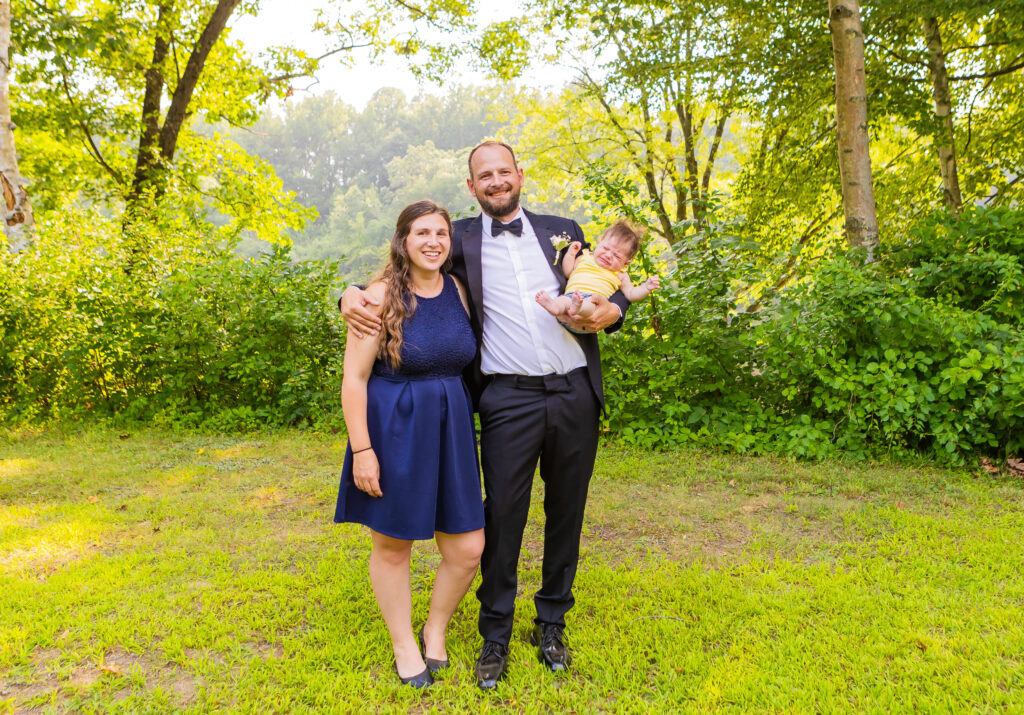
(265, 650)
(44, 686)
(716, 523)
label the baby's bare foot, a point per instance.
(548, 303)
(575, 302)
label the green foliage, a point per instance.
(923, 351)
(189, 334)
(115, 100)
(673, 372)
(972, 262)
(81, 80)
(857, 360)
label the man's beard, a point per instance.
(506, 207)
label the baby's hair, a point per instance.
(625, 233)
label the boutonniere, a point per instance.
(560, 241)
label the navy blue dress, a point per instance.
(420, 420)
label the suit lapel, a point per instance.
(544, 233)
(474, 271)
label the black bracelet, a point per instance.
(357, 451)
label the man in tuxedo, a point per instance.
(537, 387)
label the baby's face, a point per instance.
(611, 254)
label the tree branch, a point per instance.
(889, 51)
(150, 133)
(991, 75)
(94, 150)
(990, 200)
(977, 47)
(295, 75)
(709, 165)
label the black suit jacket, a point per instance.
(466, 237)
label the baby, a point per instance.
(602, 272)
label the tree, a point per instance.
(950, 73)
(115, 94)
(18, 218)
(666, 90)
(946, 148)
(852, 125)
(110, 95)
(158, 140)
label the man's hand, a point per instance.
(605, 313)
(361, 322)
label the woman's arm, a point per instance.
(360, 353)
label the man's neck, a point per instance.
(506, 218)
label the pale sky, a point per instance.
(289, 21)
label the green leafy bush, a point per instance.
(921, 352)
(185, 333)
(675, 371)
(972, 261)
(857, 360)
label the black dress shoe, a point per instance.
(490, 666)
(433, 665)
(421, 680)
(550, 642)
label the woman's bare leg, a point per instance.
(460, 557)
(389, 576)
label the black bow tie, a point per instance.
(515, 226)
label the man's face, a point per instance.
(495, 182)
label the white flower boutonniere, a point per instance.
(560, 241)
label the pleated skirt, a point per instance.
(422, 432)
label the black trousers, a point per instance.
(525, 419)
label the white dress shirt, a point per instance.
(520, 337)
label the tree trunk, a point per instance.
(178, 110)
(18, 220)
(709, 165)
(157, 143)
(149, 136)
(946, 143)
(852, 125)
(685, 115)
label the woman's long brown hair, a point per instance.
(399, 300)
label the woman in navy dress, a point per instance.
(411, 468)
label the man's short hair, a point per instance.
(490, 142)
(625, 233)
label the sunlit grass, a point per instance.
(153, 572)
(34, 550)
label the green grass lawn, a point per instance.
(155, 572)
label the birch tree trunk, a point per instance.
(18, 219)
(945, 144)
(852, 125)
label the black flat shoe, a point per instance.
(421, 680)
(434, 666)
(490, 666)
(550, 642)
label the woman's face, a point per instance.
(428, 242)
